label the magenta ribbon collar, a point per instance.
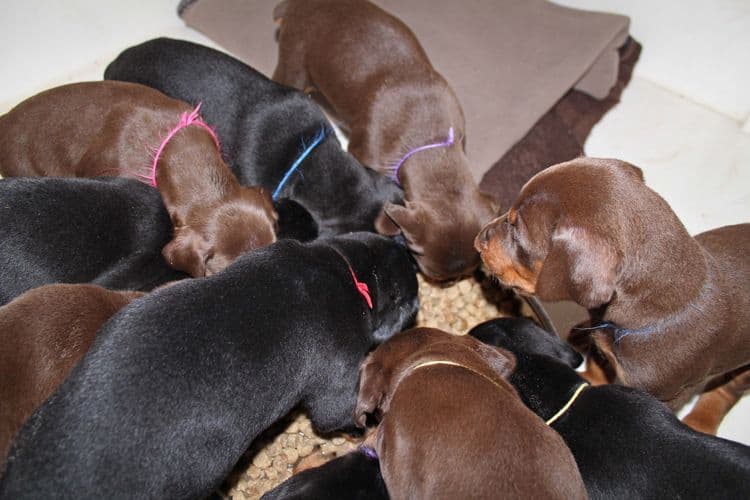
(186, 119)
(443, 144)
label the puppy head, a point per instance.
(387, 269)
(521, 335)
(384, 368)
(213, 236)
(564, 236)
(439, 235)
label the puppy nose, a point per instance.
(483, 238)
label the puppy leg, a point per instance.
(712, 406)
(311, 461)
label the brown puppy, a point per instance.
(115, 128)
(670, 313)
(453, 427)
(43, 334)
(375, 78)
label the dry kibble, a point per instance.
(262, 460)
(274, 449)
(272, 473)
(292, 455)
(305, 449)
(465, 286)
(293, 427)
(293, 441)
(253, 472)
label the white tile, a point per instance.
(46, 43)
(697, 48)
(697, 159)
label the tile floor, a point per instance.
(681, 119)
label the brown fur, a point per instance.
(369, 69)
(591, 231)
(459, 432)
(113, 128)
(43, 334)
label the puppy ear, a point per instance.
(188, 251)
(371, 390)
(408, 219)
(384, 225)
(630, 169)
(580, 266)
(491, 207)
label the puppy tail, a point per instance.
(280, 11)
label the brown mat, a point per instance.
(509, 61)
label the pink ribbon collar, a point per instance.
(186, 119)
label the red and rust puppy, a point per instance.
(43, 334)
(402, 118)
(453, 427)
(670, 313)
(115, 128)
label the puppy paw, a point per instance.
(316, 459)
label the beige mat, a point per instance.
(509, 61)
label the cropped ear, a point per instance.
(371, 390)
(188, 251)
(408, 219)
(580, 266)
(502, 361)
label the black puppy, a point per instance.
(109, 232)
(264, 127)
(627, 443)
(354, 476)
(178, 384)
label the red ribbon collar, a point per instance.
(362, 287)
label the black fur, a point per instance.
(261, 126)
(627, 443)
(178, 384)
(106, 231)
(354, 476)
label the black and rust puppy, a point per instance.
(354, 476)
(627, 443)
(180, 382)
(108, 232)
(265, 129)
